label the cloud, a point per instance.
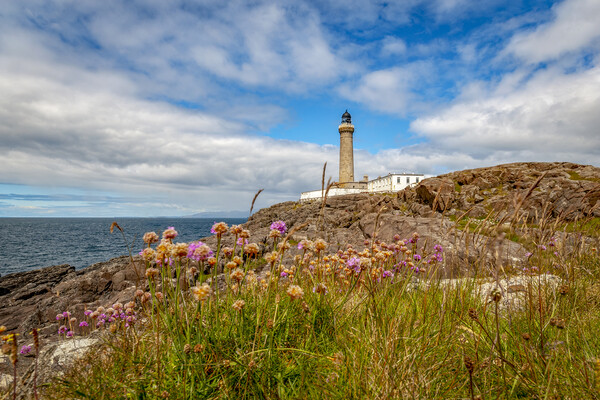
(387, 90)
(393, 46)
(549, 116)
(574, 27)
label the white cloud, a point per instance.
(393, 46)
(549, 117)
(387, 90)
(575, 26)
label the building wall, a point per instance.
(394, 182)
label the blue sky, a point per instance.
(148, 108)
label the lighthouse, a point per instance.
(346, 130)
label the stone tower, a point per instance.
(346, 130)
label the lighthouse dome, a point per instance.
(346, 118)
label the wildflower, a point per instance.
(2, 329)
(151, 273)
(283, 274)
(83, 324)
(199, 251)
(159, 296)
(170, 233)
(62, 329)
(242, 242)
(237, 275)
(201, 293)
(25, 349)
(295, 292)
(150, 237)
(417, 257)
(320, 288)
(59, 317)
(438, 249)
(219, 228)
(67, 314)
(415, 237)
(94, 315)
(279, 226)
(180, 250)
(387, 274)
(251, 249)
(271, 257)
(238, 305)
(274, 234)
(227, 251)
(245, 234)
(211, 261)
(320, 245)
(542, 247)
(73, 320)
(139, 293)
(87, 313)
(354, 263)
(231, 265)
(187, 348)
(236, 229)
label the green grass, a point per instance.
(367, 337)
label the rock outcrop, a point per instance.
(536, 190)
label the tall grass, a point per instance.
(369, 323)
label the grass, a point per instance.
(368, 323)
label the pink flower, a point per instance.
(170, 233)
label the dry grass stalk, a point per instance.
(254, 200)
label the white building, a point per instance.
(393, 182)
(383, 184)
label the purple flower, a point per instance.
(354, 263)
(280, 226)
(542, 247)
(417, 257)
(87, 313)
(59, 317)
(62, 329)
(387, 274)
(25, 349)
(83, 323)
(70, 334)
(283, 274)
(241, 242)
(438, 248)
(528, 254)
(199, 251)
(67, 314)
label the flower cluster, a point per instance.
(279, 226)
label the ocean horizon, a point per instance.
(31, 243)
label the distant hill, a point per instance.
(219, 214)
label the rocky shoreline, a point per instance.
(536, 191)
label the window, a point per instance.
(417, 180)
(408, 179)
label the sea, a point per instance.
(32, 243)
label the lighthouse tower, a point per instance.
(346, 130)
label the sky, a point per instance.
(169, 108)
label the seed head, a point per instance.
(238, 305)
(469, 364)
(473, 314)
(526, 336)
(187, 348)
